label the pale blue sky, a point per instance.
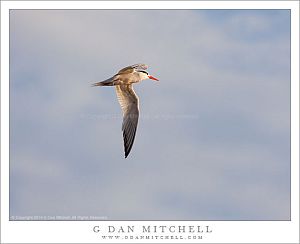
(213, 140)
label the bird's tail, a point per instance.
(108, 82)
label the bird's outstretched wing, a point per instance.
(129, 102)
(131, 68)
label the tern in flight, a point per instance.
(127, 98)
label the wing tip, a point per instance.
(127, 151)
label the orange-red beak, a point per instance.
(152, 78)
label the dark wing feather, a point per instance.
(126, 70)
(129, 102)
(131, 68)
(140, 66)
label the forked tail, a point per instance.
(108, 82)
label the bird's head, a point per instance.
(145, 75)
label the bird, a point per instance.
(123, 82)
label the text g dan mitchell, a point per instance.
(153, 229)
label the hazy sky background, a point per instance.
(213, 140)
